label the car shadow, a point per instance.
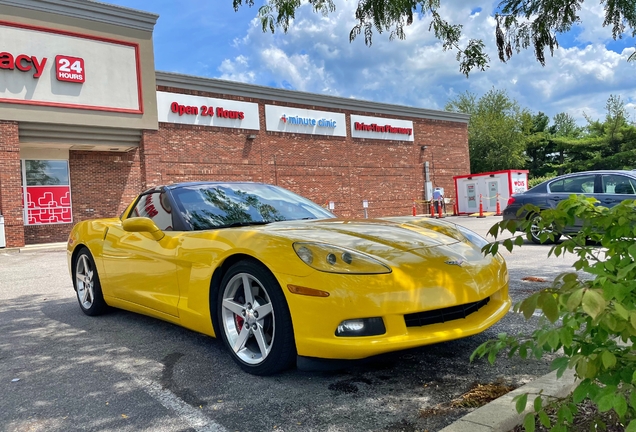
(62, 356)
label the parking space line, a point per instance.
(186, 412)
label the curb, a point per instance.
(500, 415)
(35, 248)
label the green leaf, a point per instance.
(507, 243)
(631, 427)
(620, 405)
(529, 305)
(575, 299)
(528, 422)
(593, 303)
(566, 336)
(538, 403)
(609, 359)
(580, 392)
(632, 399)
(569, 277)
(544, 419)
(566, 413)
(621, 311)
(522, 400)
(605, 403)
(550, 308)
(632, 318)
(559, 363)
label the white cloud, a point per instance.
(316, 56)
(237, 70)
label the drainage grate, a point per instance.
(442, 315)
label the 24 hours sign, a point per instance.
(70, 69)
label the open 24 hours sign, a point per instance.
(204, 111)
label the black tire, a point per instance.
(256, 327)
(535, 232)
(87, 286)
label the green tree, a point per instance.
(608, 144)
(495, 130)
(521, 24)
(564, 125)
(540, 149)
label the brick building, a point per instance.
(86, 123)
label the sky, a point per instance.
(208, 38)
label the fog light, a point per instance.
(361, 327)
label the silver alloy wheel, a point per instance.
(84, 281)
(248, 318)
(535, 231)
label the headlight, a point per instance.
(334, 259)
(472, 237)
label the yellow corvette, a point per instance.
(279, 278)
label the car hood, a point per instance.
(371, 236)
(404, 244)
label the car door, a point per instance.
(562, 188)
(616, 188)
(140, 269)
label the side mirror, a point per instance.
(143, 224)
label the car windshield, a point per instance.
(228, 205)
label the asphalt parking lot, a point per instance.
(63, 371)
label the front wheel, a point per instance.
(536, 231)
(87, 286)
(254, 319)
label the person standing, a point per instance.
(438, 199)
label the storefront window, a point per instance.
(46, 186)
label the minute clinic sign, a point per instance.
(204, 111)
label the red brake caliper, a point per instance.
(239, 320)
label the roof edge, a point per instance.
(91, 10)
(214, 85)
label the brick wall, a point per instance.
(102, 185)
(389, 174)
(10, 184)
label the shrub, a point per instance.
(537, 180)
(590, 313)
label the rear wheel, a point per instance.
(254, 319)
(536, 231)
(87, 286)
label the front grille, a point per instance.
(442, 315)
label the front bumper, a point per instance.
(315, 319)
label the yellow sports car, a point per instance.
(279, 278)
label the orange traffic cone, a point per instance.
(498, 213)
(481, 208)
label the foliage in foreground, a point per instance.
(589, 313)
